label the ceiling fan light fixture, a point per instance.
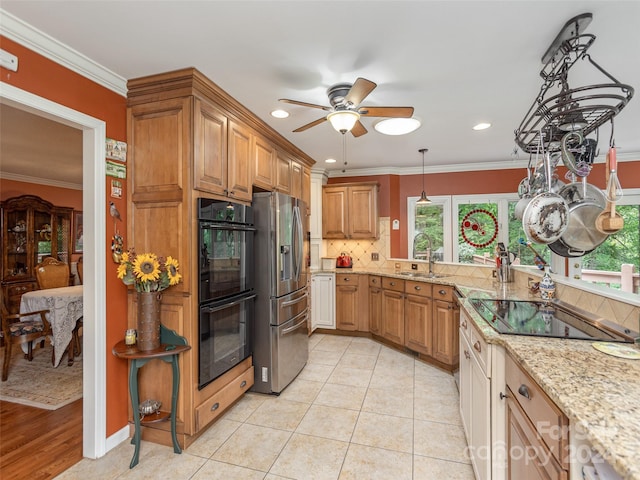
(397, 126)
(482, 126)
(343, 120)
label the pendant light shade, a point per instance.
(423, 200)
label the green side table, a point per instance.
(171, 345)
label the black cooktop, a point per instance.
(541, 319)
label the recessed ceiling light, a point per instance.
(330, 160)
(280, 114)
(481, 126)
(397, 126)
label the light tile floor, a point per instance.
(358, 410)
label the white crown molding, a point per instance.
(461, 167)
(39, 181)
(24, 34)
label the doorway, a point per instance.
(94, 348)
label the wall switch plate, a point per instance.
(8, 60)
(374, 256)
(414, 266)
(395, 225)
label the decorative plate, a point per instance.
(617, 350)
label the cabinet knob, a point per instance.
(503, 396)
(215, 406)
(243, 384)
(467, 355)
(477, 346)
(347, 279)
(442, 292)
(417, 287)
(393, 284)
(524, 391)
(463, 324)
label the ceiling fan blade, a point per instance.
(401, 112)
(359, 91)
(305, 104)
(358, 129)
(309, 125)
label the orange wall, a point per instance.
(47, 79)
(394, 189)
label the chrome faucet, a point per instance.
(429, 255)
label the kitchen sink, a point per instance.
(422, 275)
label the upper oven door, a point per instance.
(225, 261)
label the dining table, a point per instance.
(65, 308)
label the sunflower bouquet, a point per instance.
(148, 272)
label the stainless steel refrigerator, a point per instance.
(280, 340)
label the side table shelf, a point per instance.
(171, 346)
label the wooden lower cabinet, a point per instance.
(375, 305)
(418, 329)
(393, 316)
(347, 307)
(445, 332)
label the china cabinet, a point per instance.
(32, 229)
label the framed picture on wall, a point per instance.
(77, 232)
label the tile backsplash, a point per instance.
(361, 250)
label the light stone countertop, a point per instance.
(599, 393)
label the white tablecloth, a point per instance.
(65, 308)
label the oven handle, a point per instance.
(227, 226)
(297, 325)
(288, 303)
(227, 305)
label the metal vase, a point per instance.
(148, 320)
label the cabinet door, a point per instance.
(480, 442)
(283, 174)
(264, 163)
(347, 307)
(375, 310)
(296, 179)
(393, 316)
(322, 302)
(465, 385)
(209, 149)
(418, 323)
(306, 188)
(239, 161)
(445, 332)
(363, 211)
(334, 212)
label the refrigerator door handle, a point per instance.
(297, 325)
(293, 302)
(297, 242)
(227, 305)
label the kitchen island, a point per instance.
(597, 392)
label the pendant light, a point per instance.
(423, 197)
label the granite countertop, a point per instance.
(599, 393)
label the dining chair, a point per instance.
(52, 273)
(17, 332)
(79, 269)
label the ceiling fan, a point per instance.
(345, 110)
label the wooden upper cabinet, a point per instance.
(306, 188)
(264, 163)
(350, 210)
(296, 179)
(239, 161)
(283, 173)
(209, 148)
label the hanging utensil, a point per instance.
(609, 222)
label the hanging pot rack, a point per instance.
(584, 108)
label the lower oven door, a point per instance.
(224, 336)
(290, 351)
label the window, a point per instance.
(432, 222)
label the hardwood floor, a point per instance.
(39, 444)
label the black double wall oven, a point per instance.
(227, 292)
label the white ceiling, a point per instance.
(456, 62)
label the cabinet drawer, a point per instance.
(21, 289)
(219, 402)
(422, 289)
(443, 292)
(480, 350)
(375, 281)
(465, 325)
(546, 418)
(346, 279)
(393, 284)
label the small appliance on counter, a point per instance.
(344, 261)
